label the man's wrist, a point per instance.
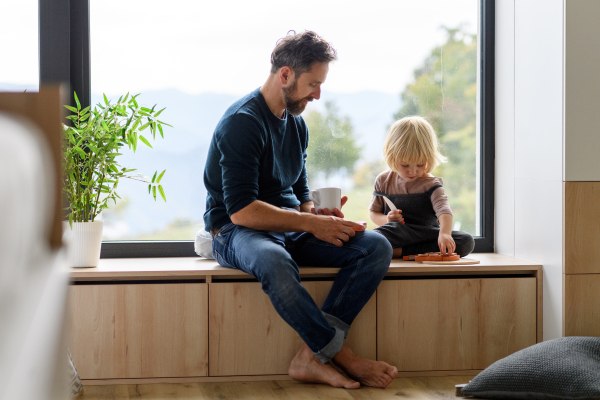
(306, 221)
(306, 207)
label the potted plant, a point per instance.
(91, 170)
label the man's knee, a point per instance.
(379, 252)
(278, 275)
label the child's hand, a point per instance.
(395, 216)
(446, 243)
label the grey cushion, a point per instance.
(565, 368)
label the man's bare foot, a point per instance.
(367, 372)
(305, 367)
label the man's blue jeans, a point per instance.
(273, 259)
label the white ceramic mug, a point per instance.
(330, 197)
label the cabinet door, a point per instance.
(139, 330)
(454, 324)
(248, 337)
(581, 305)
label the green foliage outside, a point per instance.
(444, 92)
(332, 146)
(365, 175)
(91, 147)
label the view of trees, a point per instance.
(332, 146)
(444, 92)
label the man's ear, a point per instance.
(286, 75)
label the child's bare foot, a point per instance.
(367, 372)
(397, 252)
(305, 367)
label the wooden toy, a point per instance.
(363, 223)
(432, 257)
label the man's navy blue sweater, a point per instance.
(254, 155)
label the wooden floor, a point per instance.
(426, 388)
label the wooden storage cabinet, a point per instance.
(139, 330)
(454, 324)
(192, 320)
(248, 337)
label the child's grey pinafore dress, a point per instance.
(419, 234)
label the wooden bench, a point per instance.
(191, 320)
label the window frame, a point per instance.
(64, 37)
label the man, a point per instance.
(263, 222)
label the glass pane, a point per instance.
(19, 46)
(396, 58)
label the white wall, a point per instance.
(582, 90)
(529, 95)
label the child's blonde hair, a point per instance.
(412, 140)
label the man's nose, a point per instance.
(316, 93)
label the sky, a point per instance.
(225, 46)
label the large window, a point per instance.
(19, 69)
(431, 58)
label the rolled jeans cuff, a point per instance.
(337, 323)
(332, 348)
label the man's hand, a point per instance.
(395, 216)
(331, 228)
(336, 211)
(446, 243)
(334, 230)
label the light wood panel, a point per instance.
(138, 331)
(454, 324)
(581, 250)
(101, 333)
(247, 336)
(539, 278)
(427, 324)
(507, 318)
(581, 306)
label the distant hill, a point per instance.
(183, 152)
(11, 87)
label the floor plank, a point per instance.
(422, 388)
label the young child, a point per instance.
(423, 221)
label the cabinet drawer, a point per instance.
(139, 330)
(248, 337)
(454, 324)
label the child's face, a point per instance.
(410, 172)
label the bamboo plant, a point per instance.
(91, 147)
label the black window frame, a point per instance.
(64, 38)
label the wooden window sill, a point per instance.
(197, 268)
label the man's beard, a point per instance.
(294, 107)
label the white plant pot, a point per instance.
(83, 243)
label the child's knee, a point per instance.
(464, 243)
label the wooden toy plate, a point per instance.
(462, 261)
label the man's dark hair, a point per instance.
(300, 50)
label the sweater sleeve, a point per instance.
(300, 188)
(377, 202)
(240, 146)
(439, 200)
